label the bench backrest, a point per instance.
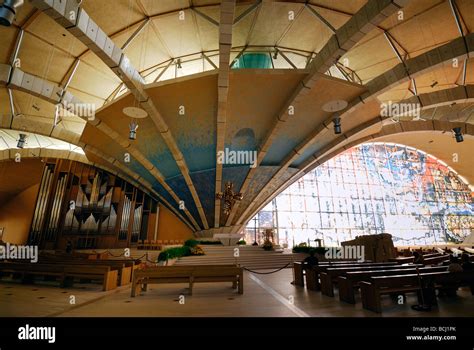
(87, 269)
(404, 280)
(187, 271)
(341, 271)
(358, 275)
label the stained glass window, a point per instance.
(374, 188)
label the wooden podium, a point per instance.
(378, 248)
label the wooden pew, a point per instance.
(66, 273)
(349, 281)
(299, 271)
(329, 276)
(371, 291)
(436, 259)
(313, 275)
(124, 267)
(410, 259)
(188, 274)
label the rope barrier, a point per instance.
(126, 257)
(267, 273)
(112, 255)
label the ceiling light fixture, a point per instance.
(21, 141)
(178, 63)
(334, 107)
(458, 134)
(134, 113)
(337, 125)
(133, 130)
(8, 11)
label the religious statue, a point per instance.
(229, 197)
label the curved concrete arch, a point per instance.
(373, 13)
(460, 94)
(405, 126)
(18, 80)
(112, 55)
(402, 127)
(115, 167)
(459, 48)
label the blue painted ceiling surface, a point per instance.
(180, 187)
(205, 184)
(189, 107)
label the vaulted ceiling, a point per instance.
(175, 59)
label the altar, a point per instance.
(228, 238)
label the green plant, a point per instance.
(242, 242)
(268, 245)
(191, 243)
(173, 253)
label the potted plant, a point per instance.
(267, 245)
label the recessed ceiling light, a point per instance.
(135, 112)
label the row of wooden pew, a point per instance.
(188, 274)
(377, 279)
(65, 269)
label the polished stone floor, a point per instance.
(269, 295)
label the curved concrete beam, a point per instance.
(460, 48)
(227, 11)
(115, 167)
(18, 80)
(405, 126)
(76, 21)
(367, 18)
(460, 94)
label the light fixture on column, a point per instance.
(458, 134)
(134, 113)
(21, 141)
(8, 11)
(337, 125)
(132, 135)
(334, 107)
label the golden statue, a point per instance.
(229, 197)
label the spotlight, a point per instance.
(275, 55)
(8, 11)
(458, 134)
(337, 125)
(133, 131)
(178, 63)
(22, 141)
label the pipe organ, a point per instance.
(89, 207)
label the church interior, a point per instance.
(237, 158)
